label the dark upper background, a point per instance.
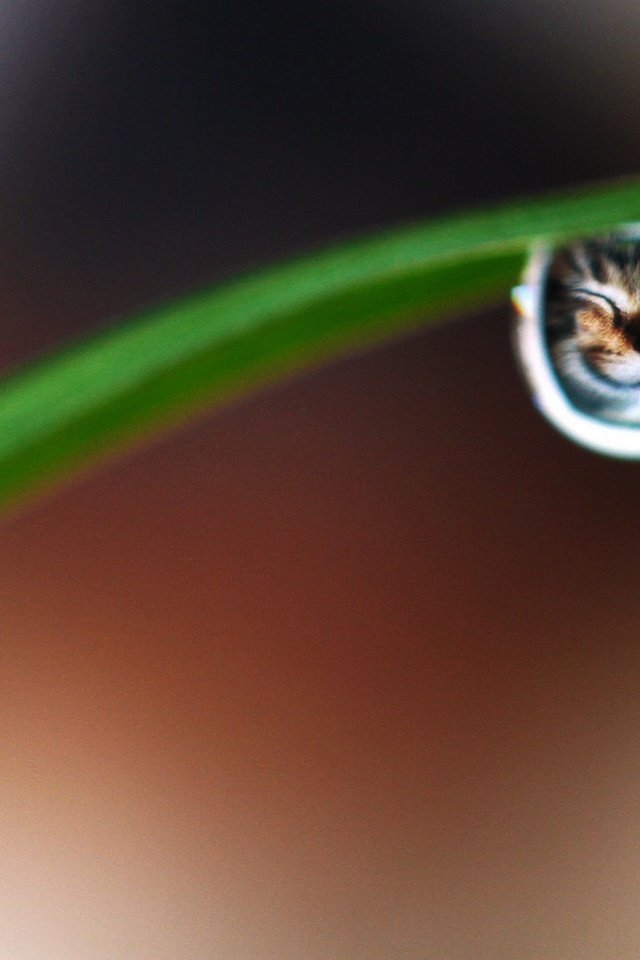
(148, 148)
(351, 668)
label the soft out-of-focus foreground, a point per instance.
(350, 669)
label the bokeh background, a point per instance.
(350, 669)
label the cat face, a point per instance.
(594, 297)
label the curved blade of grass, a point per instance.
(161, 368)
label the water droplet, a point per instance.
(577, 338)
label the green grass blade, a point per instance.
(163, 367)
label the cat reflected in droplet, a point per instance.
(592, 319)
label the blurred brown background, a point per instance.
(351, 669)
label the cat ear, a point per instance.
(595, 412)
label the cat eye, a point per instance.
(598, 299)
(598, 408)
